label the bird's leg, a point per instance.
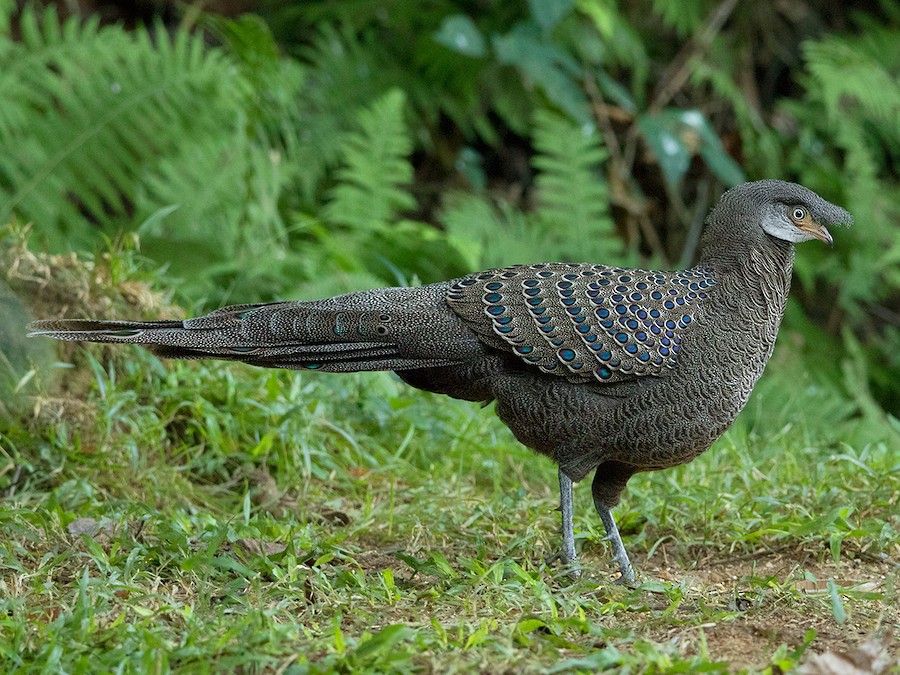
(609, 481)
(566, 554)
(612, 536)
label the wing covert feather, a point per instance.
(584, 322)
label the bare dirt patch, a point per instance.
(777, 597)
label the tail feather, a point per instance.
(407, 329)
(64, 329)
(300, 353)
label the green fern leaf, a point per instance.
(572, 197)
(342, 73)
(369, 194)
(486, 235)
(95, 107)
(684, 16)
(846, 74)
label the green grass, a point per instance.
(204, 517)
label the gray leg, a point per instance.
(566, 554)
(612, 536)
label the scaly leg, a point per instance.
(612, 536)
(566, 554)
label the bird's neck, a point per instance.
(760, 274)
(765, 259)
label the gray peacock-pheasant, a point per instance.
(602, 369)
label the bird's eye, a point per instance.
(798, 213)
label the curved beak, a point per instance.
(818, 231)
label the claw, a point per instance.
(574, 572)
(571, 567)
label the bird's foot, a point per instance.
(569, 563)
(550, 559)
(618, 548)
(626, 571)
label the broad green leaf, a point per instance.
(711, 149)
(545, 64)
(619, 94)
(459, 33)
(530, 625)
(675, 136)
(383, 640)
(837, 605)
(834, 543)
(547, 13)
(661, 134)
(443, 564)
(470, 164)
(603, 15)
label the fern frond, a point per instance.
(571, 220)
(572, 197)
(273, 116)
(486, 235)
(845, 73)
(683, 17)
(97, 105)
(342, 74)
(369, 193)
(208, 199)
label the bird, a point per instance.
(600, 368)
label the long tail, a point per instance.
(387, 329)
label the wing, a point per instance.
(584, 322)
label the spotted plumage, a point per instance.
(585, 322)
(600, 368)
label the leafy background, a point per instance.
(313, 148)
(317, 147)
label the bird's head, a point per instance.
(783, 210)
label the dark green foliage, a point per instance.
(570, 220)
(851, 143)
(322, 146)
(570, 189)
(665, 135)
(325, 146)
(369, 194)
(88, 109)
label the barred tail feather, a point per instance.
(87, 329)
(340, 334)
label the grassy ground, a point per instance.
(203, 517)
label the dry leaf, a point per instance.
(333, 516)
(821, 585)
(872, 657)
(79, 526)
(259, 547)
